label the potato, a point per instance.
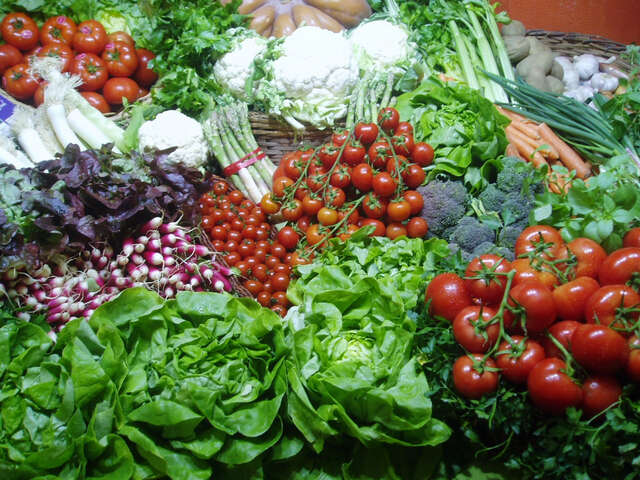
(538, 80)
(536, 46)
(514, 29)
(517, 48)
(555, 85)
(538, 62)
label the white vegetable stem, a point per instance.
(33, 145)
(87, 131)
(57, 116)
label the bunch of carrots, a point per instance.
(538, 144)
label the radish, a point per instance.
(153, 258)
(152, 224)
(170, 227)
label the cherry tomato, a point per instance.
(474, 376)
(311, 204)
(414, 175)
(292, 167)
(613, 305)
(120, 58)
(379, 228)
(516, 361)
(422, 154)
(9, 56)
(315, 235)
(571, 297)
(490, 285)
(280, 185)
(535, 302)
(353, 153)
(632, 238)
(403, 144)
(18, 82)
(397, 165)
(471, 329)
(269, 205)
(417, 227)
(551, 389)
(334, 197)
(373, 206)
(543, 239)
(116, 89)
(366, 133)
(395, 230)
(388, 119)
(415, 201)
(379, 154)
(341, 176)
(398, 210)
(328, 155)
(383, 184)
(38, 96)
(633, 364)
(561, 331)
(448, 295)
(144, 75)
(246, 248)
(599, 348)
(620, 266)
(254, 286)
(264, 298)
(92, 71)
(19, 30)
(280, 281)
(58, 50)
(288, 237)
(58, 30)
(339, 137)
(327, 216)
(292, 210)
(589, 255)
(362, 177)
(403, 128)
(90, 37)
(599, 393)
(525, 272)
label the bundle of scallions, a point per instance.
(583, 126)
(231, 140)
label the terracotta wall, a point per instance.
(615, 19)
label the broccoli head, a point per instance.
(470, 233)
(492, 198)
(513, 175)
(488, 247)
(516, 207)
(445, 203)
(508, 236)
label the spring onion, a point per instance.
(23, 125)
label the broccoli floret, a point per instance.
(488, 247)
(516, 206)
(465, 256)
(470, 233)
(492, 198)
(445, 203)
(513, 175)
(508, 236)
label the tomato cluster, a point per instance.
(106, 63)
(562, 319)
(362, 177)
(238, 228)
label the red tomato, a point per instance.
(362, 177)
(328, 155)
(144, 75)
(379, 227)
(268, 204)
(379, 153)
(254, 286)
(366, 133)
(403, 144)
(292, 210)
(315, 234)
(18, 82)
(339, 137)
(118, 88)
(603, 306)
(398, 210)
(19, 30)
(542, 239)
(518, 360)
(388, 119)
(354, 217)
(9, 56)
(316, 181)
(327, 216)
(414, 175)
(120, 58)
(589, 255)
(535, 302)
(311, 204)
(264, 298)
(383, 184)
(599, 393)
(280, 281)
(422, 154)
(293, 167)
(288, 237)
(551, 389)
(417, 227)
(373, 206)
(472, 330)
(38, 96)
(490, 285)
(525, 272)
(396, 164)
(341, 176)
(415, 200)
(92, 71)
(334, 197)
(395, 230)
(58, 30)
(448, 295)
(571, 297)
(632, 238)
(353, 154)
(633, 364)
(403, 128)
(58, 50)
(90, 37)
(561, 331)
(474, 377)
(121, 36)
(599, 348)
(620, 266)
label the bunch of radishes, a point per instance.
(163, 258)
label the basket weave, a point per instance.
(571, 44)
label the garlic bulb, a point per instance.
(603, 82)
(586, 65)
(581, 93)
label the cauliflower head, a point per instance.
(382, 45)
(235, 67)
(174, 129)
(312, 78)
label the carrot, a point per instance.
(530, 130)
(512, 151)
(514, 115)
(535, 144)
(526, 150)
(567, 155)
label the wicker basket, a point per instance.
(571, 44)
